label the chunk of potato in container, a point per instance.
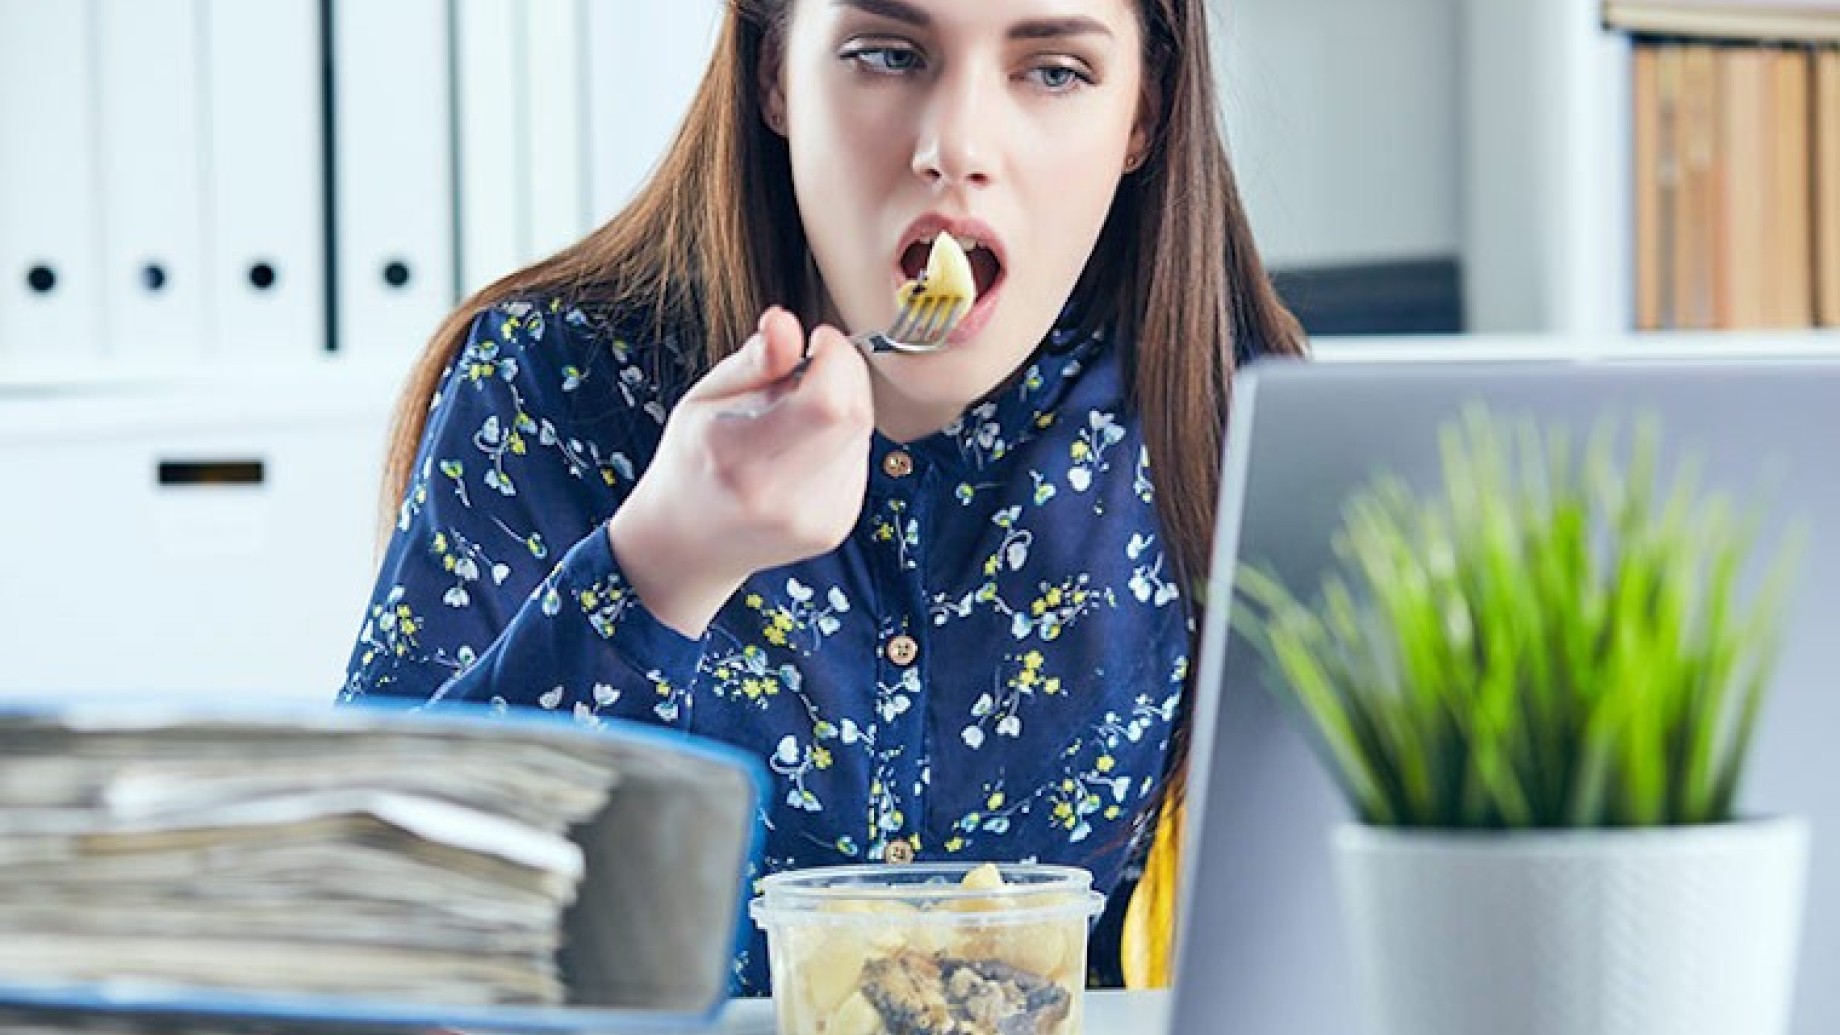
(884, 950)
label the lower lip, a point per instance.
(980, 314)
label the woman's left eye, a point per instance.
(1059, 78)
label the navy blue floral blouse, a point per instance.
(987, 669)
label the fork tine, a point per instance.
(950, 310)
(925, 320)
(904, 321)
(936, 321)
(926, 327)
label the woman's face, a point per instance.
(1003, 122)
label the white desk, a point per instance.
(1108, 1012)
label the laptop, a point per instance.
(1262, 950)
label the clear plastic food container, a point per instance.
(928, 947)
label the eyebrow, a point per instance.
(1033, 29)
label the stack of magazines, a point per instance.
(461, 862)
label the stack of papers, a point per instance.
(382, 857)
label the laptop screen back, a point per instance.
(1261, 949)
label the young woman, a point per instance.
(944, 597)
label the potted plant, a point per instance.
(1537, 687)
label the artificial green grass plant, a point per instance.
(1552, 640)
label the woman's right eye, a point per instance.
(885, 60)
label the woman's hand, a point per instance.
(754, 471)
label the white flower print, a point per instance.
(1147, 582)
(1088, 450)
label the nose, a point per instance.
(953, 147)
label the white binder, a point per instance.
(265, 238)
(555, 120)
(153, 277)
(49, 230)
(491, 181)
(394, 172)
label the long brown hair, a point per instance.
(715, 237)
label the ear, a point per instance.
(770, 75)
(1144, 129)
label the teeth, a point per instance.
(969, 244)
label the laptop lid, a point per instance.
(1262, 949)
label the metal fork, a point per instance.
(924, 323)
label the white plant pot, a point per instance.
(1660, 931)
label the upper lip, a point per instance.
(965, 228)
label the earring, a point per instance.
(1133, 162)
(776, 121)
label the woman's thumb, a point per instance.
(772, 353)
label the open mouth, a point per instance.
(986, 268)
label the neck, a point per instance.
(903, 418)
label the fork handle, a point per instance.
(874, 342)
